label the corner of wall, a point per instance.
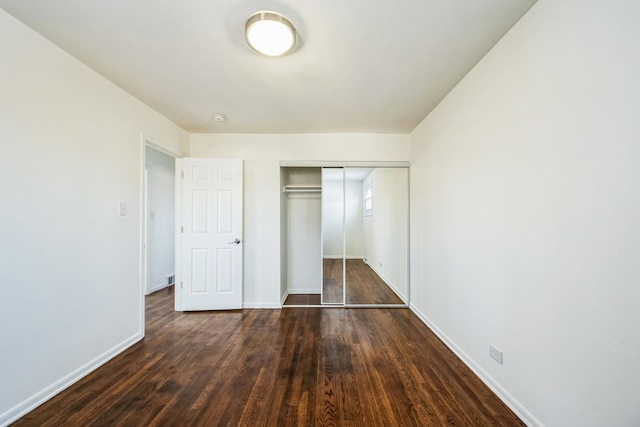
(495, 387)
(42, 396)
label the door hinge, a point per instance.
(181, 285)
(182, 174)
(181, 229)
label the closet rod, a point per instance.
(302, 189)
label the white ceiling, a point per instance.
(359, 66)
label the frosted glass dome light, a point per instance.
(270, 33)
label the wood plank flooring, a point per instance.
(302, 299)
(289, 367)
(364, 286)
(332, 290)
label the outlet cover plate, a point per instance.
(495, 354)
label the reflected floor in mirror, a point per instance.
(332, 291)
(364, 286)
(302, 299)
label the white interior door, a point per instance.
(211, 234)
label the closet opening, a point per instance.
(345, 235)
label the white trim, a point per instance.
(388, 283)
(321, 236)
(47, 393)
(158, 288)
(376, 306)
(338, 164)
(254, 305)
(343, 257)
(344, 237)
(162, 149)
(177, 301)
(496, 388)
(313, 291)
(142, 261)
(284, 297)
(145, 231)
(409, 236)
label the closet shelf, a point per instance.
(302, 189)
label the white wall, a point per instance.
(386, 230)
(161, 218)
(333, 221)
(262, 154)
(525, 214)
(353, 222)
(342, 218)
(70, 151)
(304, 261)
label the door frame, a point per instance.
(145, 229)
(143, 258)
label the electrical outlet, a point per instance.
(495, 354)
(122, 209)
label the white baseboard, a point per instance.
(42, 396)
(157, 288)
(499, 391)
(268, 305)
(389, 284)
(284, 298)
(341, 257)
(304, 291)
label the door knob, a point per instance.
(235, 242)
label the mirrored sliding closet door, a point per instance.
(365, 214)
(333, 201)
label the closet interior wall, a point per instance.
(301, 257)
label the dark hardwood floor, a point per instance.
(290, 367)
(332, 291)
(303, 299)
(364, 286)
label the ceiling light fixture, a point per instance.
(220, 118)
(270, 33)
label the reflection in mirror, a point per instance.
(332, 235)
(376, 216)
